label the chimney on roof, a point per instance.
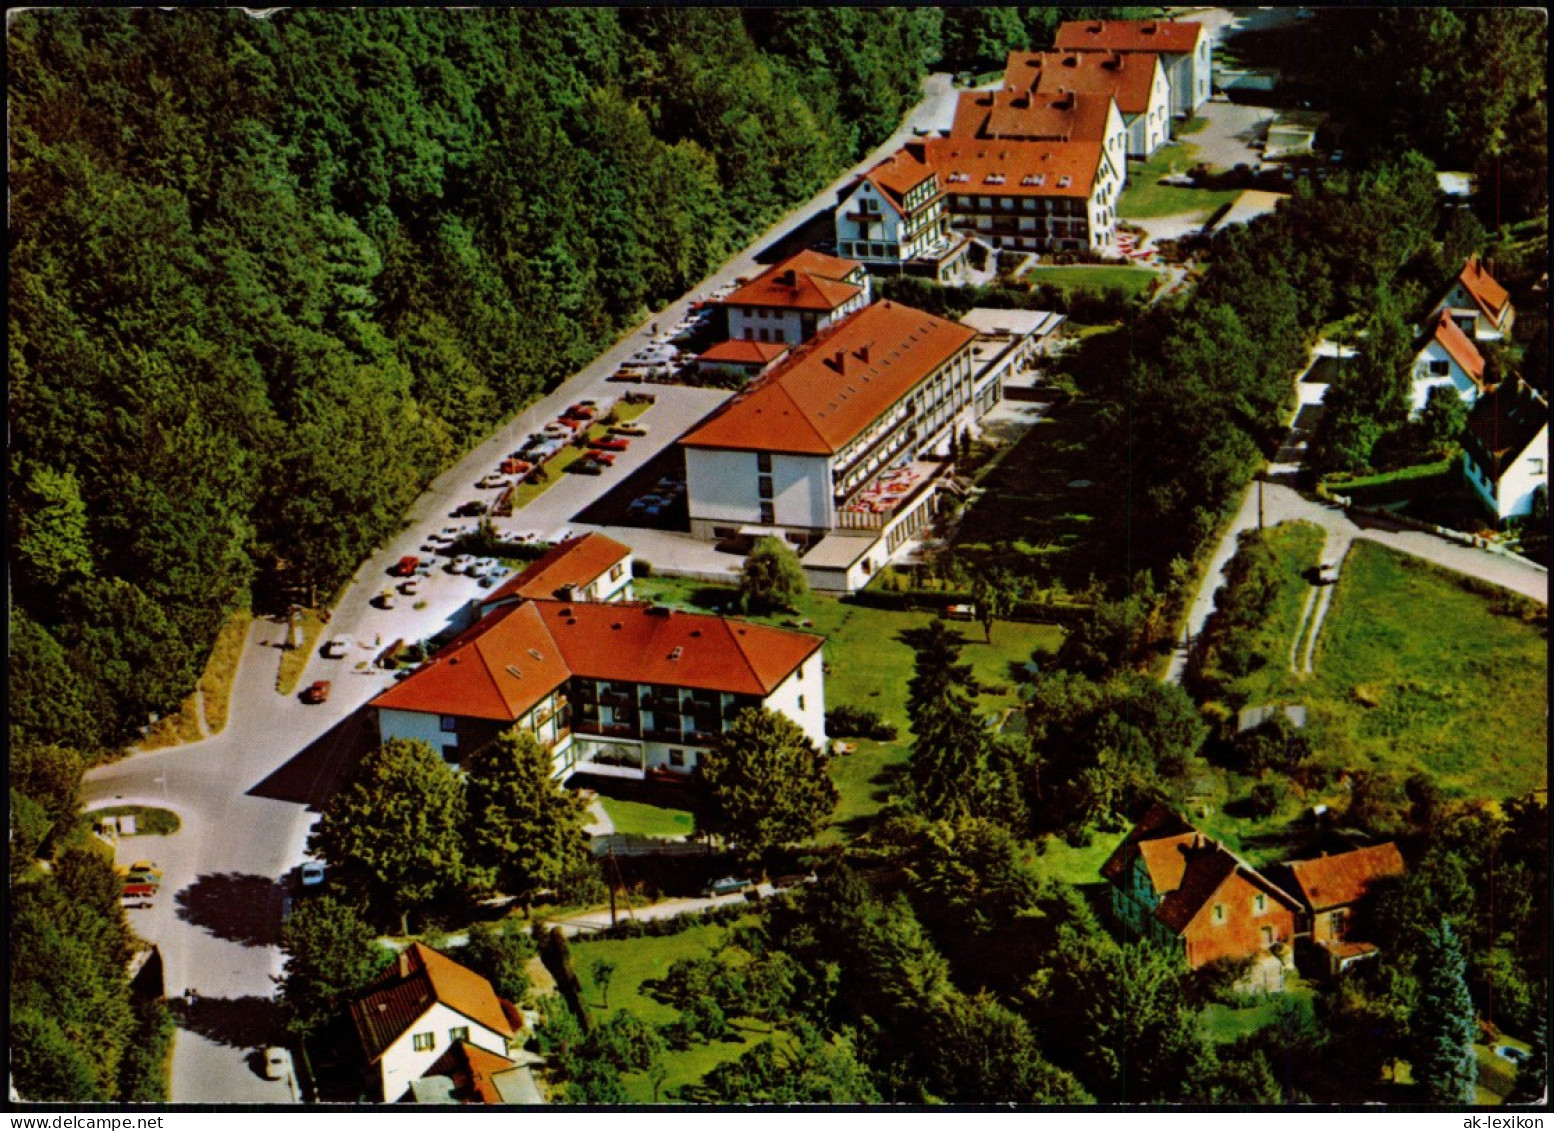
(567, 593)
(1151, 27)
(789, 278)
(404, 964)
(836, 360)
(862, 352)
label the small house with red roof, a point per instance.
(1507, 449)
(590, 567)
(852, 431)
(1189, 894)
(792, 301)
(1137, 81)
(620, 689)
(740, 359)
(427, 1014)
(893, 216)
(1031, 195)
(1330, 888)
(1445, 357)
(1185, 50)
(1477, 303)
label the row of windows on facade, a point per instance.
(427, 1042)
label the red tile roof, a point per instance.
(806, 281)
(1185, 867)
(1503, 422)
(1491, 297)
(898, 174)
(1337, 881)
(1170, 36)
(835, 385)
(1025, 115)
(419, 978)
(1127, 78)
(1459, 346)
(471, 1067)
(637, 643)
(740, 351)
(575, 562)
(1017, 168)
(504, 665)
(496, 670)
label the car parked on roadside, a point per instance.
(317, 691)
(405, 566)
(469, 509)
(630, 429)
(727, 885)
(334, 649)
(277, 1063)
(311, 874)
(490, 481)
(411, 587)
(461, 563)
(612, 444)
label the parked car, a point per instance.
(336, 648)
(277, 1063)
(135, 901)
(469, 509)
(960, 612)
(142, 891)
(630, 429)
(411, 587)
(603, 459)
(492, 480)
(311, 873)
(728, 885)
(613, 444)
(586, 467)
(477, 568)
(317, 691)
(1513, 1054)
(387, 599)
(1327, 573)
(135, 877)
(406, 565)
(461, 563)
(146, 866)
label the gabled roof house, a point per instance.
(1186, 892)
(590, 567)
(1446, 357)
(1507, 449)
(792, 301)
(1137, 81)
(1477, 303)
(1184, 47)
(424, 1006)
(893, 216)
(1330, 888)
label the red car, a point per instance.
(604, 459)
(583, 410)
(612, 444)
(516, 467)
(317, 691)
(406, 566)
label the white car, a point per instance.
(311, 873)
(477, 568)
(461, 564)
(277, 1063)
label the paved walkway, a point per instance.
(1284, 504)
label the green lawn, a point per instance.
(1417, 672)
(868, 665)
(1223, 1023)
(636, 818)
(644, 959)
(1131, 280)
(148, 821)
(1060, 497)
(1145, 198)
(1065, 864)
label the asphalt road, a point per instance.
(248, 796)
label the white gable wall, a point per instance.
(1434, 367)
(1512, 497)
(402, 1063)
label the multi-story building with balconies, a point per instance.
(1185, 51)
(611, 688)
(1026, 115)
(1030, 195)
(893, 216)
(853, 432)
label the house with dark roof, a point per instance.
(1189, 894)
(792, 301)
(893, 216)
(422, 1009)
(590, 567)
(1477, 303)
(1136, 80)
(619, 689)
(1445, 357)
(1507, 449)
(1185, 50)
(853, 431)
(1030, 195)
(1330, 888)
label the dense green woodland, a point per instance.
(270, 276)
